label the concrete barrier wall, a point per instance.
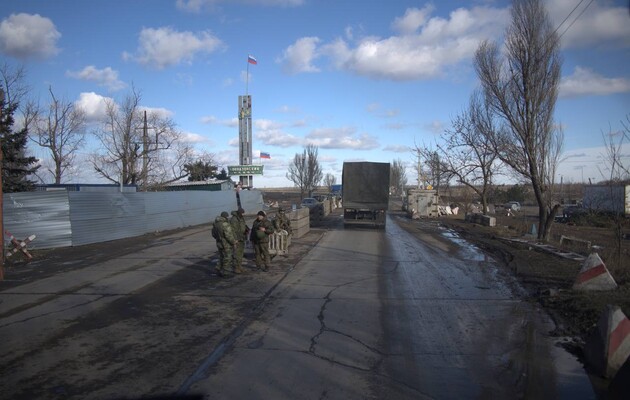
(300, 222)
(481, 219)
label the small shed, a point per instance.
(212, 185)
(87, 187)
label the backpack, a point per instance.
(215, 232)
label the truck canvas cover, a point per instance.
(365, 185)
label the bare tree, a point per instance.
(398, 177)
(15, 90)
(329, 181)
(60, 129)
(468, 152)
(614, 142)
(137, 146)
(305, 171)
(618, 174)
(431, 168)
(522, 89)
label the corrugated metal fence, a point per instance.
(62, 219)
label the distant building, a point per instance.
(611, 198)
(87, 187)
(213, 185)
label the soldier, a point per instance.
(282, 222)
(240, 229)
(261, 229)
(223, 234)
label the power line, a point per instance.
(568, 16)
(576, 18)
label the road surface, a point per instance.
(381, 314)
(350, 314)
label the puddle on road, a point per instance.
(467, 250)
(572, 380)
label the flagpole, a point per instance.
(247, 77)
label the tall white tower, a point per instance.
(245, 137)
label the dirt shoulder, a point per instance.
(546, 278)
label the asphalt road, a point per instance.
(349, 314)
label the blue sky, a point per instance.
(363, 80)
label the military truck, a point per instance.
(365, 193)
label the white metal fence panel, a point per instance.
(61, 219)
(44, 214)
(99, 217)
(251, 201)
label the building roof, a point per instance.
(199, 183)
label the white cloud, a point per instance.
(436, 127)
(341, 138)
(267, 124)
(94, 105)
(276, 137)
(196, 6)
(212, 120)
(190, 137)
(284, 109)
(279, 139)
(582, 164)
(427, 47)
(234, 142)
(164, 47)
(397, 148)
(299, 56)
(376, 109)
(585, 82)
(413, 19)
(103, 77)
(162, 113)
(601, 23)
(25, 36)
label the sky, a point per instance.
(363, 80)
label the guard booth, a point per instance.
(279, 243)
(422, 203)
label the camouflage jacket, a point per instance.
(223, 233)
(256, 226)
(239, 226)
(281, 221)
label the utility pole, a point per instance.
(145, 157)
(1, 196)
(145, 151)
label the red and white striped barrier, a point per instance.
(608, 347)
(19, 245)
(594, 275)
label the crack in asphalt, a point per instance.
(228, 341)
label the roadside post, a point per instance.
(1, 198)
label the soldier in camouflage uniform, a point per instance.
(223, 234)
(261, 229)
(240, 229)
(282, 222)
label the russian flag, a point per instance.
(265, 155)
(251, 60)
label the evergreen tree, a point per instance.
(223, 175)
(200, 171)
(16, 166)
